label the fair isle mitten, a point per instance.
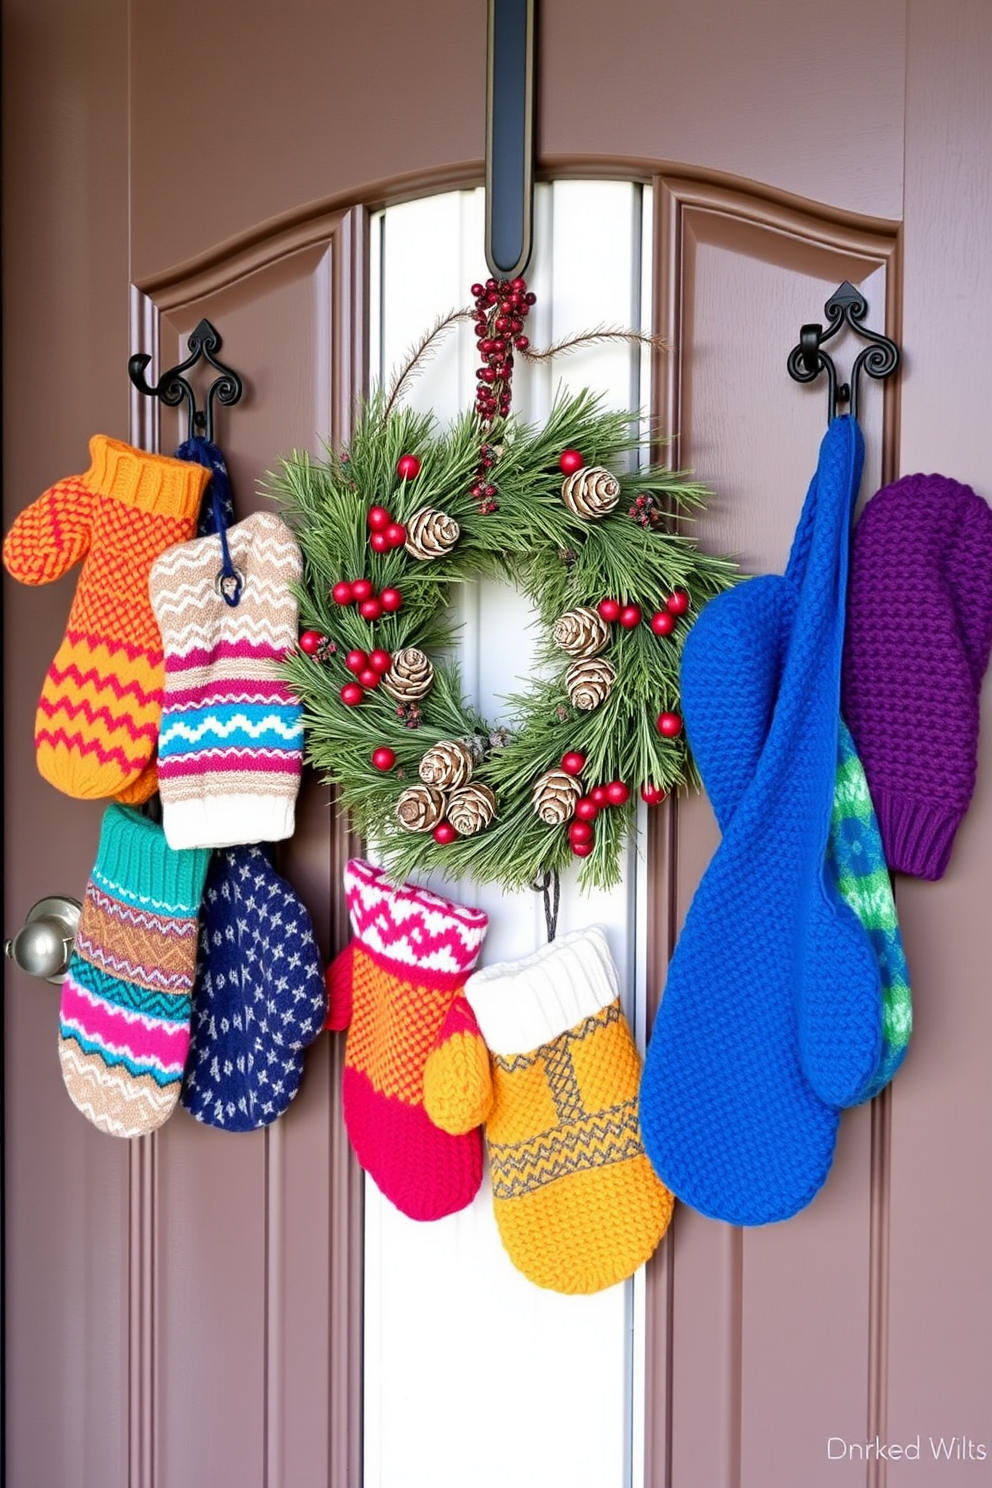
(392, 988)
(231, 745)
(98, 716)
(856, 869)
(577, 1203)
(259, 997)
(124, 1021)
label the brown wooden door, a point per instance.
(184, 1311)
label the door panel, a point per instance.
(236, 1234)
(327, 99)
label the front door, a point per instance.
(199, 1310)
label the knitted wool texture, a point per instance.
(124, 1022)
(919, 634)
(98, 717)
(217, 506)
(770, 962)
(259, 997)
(392, 988)
(857, 863)
(231, 746)
(577, 1204)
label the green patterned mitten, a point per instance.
(856, 858)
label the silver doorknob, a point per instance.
(43, 947)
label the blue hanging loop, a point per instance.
(217, 514)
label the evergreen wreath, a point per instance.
(411, 508)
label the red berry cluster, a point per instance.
(629, 615)
(663, 621)
(581, 836)
(313, 643)
(501, 307)
(368, 667)
(410, 715)
(484, 491)
(646, 511)
(371, 606)
(385, 533)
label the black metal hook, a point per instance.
(172, 387)
(846, 306)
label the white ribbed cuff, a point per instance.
(523, 1004)
(228, 821)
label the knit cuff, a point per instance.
(523, 1004)
(230, 820)
(410, 926)
(155, 484)
(917, 835)
(136, 865)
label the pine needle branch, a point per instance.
(595, 338)
(420, 354)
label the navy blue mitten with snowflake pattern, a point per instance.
(259, 996)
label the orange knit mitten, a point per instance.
(577, 1203)
(97, 723)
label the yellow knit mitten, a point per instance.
(98, 717)
(577, 1203)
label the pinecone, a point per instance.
(471, 809)
(554, 797)
(410, 676)
(420, 807)
(590, 492)
(430, 534)
(582, 632)
(588, 683)
(448, 764)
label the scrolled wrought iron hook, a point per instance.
(173, 388)
(846, 306)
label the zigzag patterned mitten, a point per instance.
(392, 988)
(124, 1021)
(231, 746)
(576, 1201)
(98, 717)
(259, 997)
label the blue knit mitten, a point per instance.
(259, 996)
(770, 958)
